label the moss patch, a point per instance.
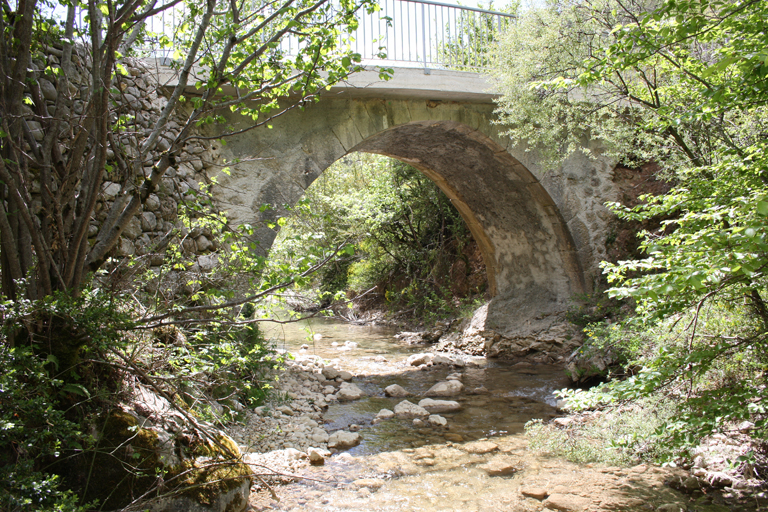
(207, 448)
(206, 482)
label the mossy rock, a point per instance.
(210, 486)
(208, 448)
(129, 461)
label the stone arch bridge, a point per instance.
(542, 234)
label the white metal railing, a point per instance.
(428, 34)
(403, 33)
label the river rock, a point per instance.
(317, 456)
(499, 466)
(342, 440)
(285, 410)
(345, 376)
(446, 388)
(537, 493)
(329, 372)
(419, 359)
(396, 391)
(406, 409)
(567, 503)
(319, 435)
(439, 405)
(437, 421)
(349, 391)
(384, 414)
(441, 359)
(418, 422)
(480, 447)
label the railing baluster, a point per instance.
(460, 41)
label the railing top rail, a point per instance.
(461, 7)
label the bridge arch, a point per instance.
(540, 233)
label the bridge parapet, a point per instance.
(404, 33)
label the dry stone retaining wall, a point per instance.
(138, 100)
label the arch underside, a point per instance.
(530, 258)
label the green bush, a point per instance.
(34, 433)
(715, 378)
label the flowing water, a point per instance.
(479, 462)
(418, 468)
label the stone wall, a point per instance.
(138, 100)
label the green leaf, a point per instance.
(76, 389)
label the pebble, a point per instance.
(317, 456)
(538, 493)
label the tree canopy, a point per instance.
(682, 84)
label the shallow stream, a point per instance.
(479, 462)
(414, 468)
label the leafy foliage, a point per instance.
(407, 236)
(33, 432)
(71, 330)
(668, 82)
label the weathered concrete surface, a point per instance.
(542, 234)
